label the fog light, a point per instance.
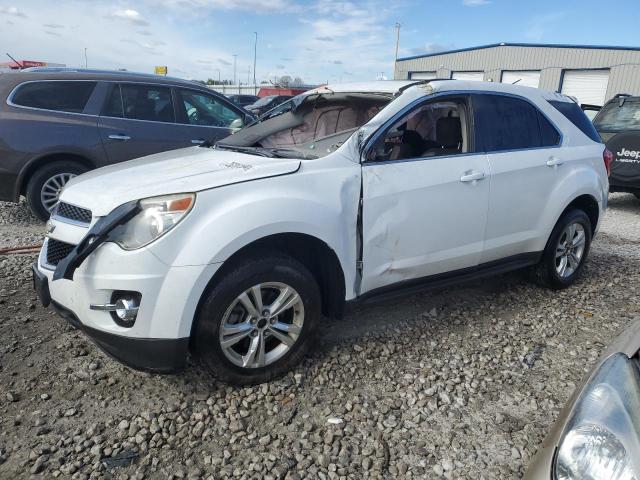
(123, 307)
(126, 309)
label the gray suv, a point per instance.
(56, 124)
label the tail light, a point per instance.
(607, 156)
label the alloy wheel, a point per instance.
(261, 325)
(570, 249)
(51, 189)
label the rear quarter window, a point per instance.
(575, 115)
(62, 96)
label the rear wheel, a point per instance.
(45, 185)
(637, 195)
(566, 251)
(257, 322)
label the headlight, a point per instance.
(158, 216)
(602, 438)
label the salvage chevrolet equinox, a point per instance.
(236, 251)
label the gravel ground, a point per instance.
(457, 383)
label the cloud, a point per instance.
(49, 32)
(145, 33)
(53, 25)
(325, 39)
(222, 61)
(129, 15)
(256, 6)
(337, 62)
(286, 59)
(429, 48)
(280, 67)
(13, 11)
(539, 25)
(205, 62)
(475, 3)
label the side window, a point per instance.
(113, 106)
(548, 133)
(433, 129)
(208, 111)
(575, 115)
(147, 102)
(63, 96)
(506, 123)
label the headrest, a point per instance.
(448, 132)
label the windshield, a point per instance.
(264, 101)
(308, 126)
(618, 118)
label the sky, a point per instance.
(317, 40)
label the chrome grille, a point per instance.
(57, 250)
(71, 212)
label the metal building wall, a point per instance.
(624, 64)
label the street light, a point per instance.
(235, 58)
(255, 52)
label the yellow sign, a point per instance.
(161, 70)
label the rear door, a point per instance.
(204, 117)
(523, 147)
(139, 119)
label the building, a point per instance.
(27, 64)
(592, 74)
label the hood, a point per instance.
(186, 170)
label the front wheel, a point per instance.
(566, 251)
(257, 322)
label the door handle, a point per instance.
(472, 177)
(120, 136)
(554, 162)
(197, 141)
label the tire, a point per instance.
(221, 304)
(547, 273)
(50, 174)
(637, 195)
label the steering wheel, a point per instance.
(193, 115)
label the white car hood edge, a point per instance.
(179, 171)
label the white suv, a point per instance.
(235, 252)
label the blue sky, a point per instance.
(317, 40)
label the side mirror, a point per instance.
(237, 124)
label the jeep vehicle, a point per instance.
(618, 123)
(236, 251)
(57, 123)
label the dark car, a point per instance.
(56, 124)
(267, 103)
(618, 123)
(243, 100)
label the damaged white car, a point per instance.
(235, 252)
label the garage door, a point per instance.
(588, 86)
(476, 76)
(422, 75)
(529, 78)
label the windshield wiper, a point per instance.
(290, 153)
(250, 150)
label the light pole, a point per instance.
(85, 58)
(235, 58)
(397, 26)
(255, 55)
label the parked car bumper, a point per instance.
(158, 339)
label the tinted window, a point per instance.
(147, 102)
(62, 96)
(431, 130)
(508, 123)
(207, 110)
(113, 106)
(575, 115)
(615, 117)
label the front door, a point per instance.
(425, 196)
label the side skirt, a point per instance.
(446, 279)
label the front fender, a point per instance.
(320, 204)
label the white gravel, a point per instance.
(457, 383)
